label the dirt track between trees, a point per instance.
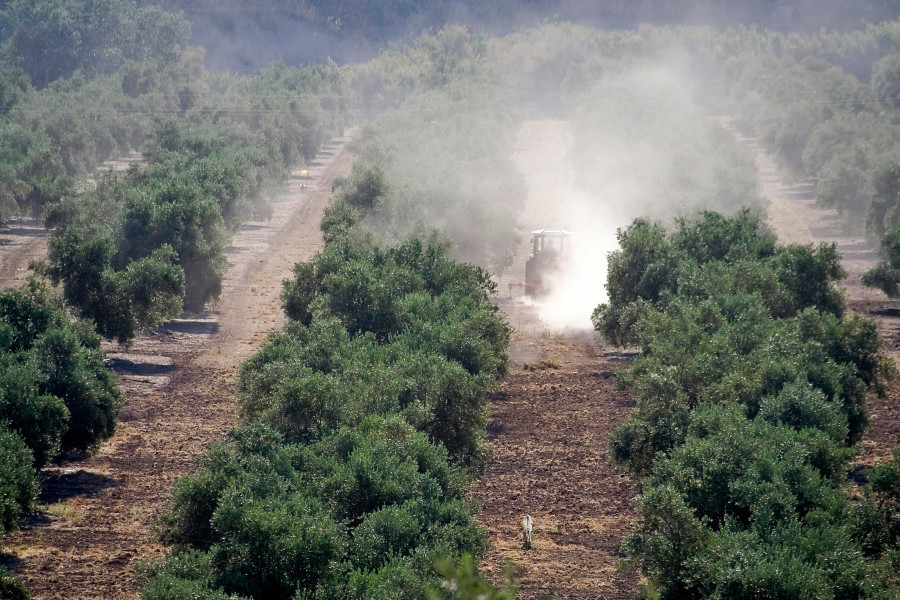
(550, 424)
(97, 513)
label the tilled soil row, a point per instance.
(549, 437)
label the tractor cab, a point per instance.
(550, 249)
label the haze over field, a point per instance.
(246, 36)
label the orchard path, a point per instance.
(551, 421)
(97, 513)
(22, 241)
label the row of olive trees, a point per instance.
(751, 389)
(363, 419)
(52, 140)
(138, 247)
(824, 123)
(57, 396)
(363, 424)
(836, 126)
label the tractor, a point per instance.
(550, 251)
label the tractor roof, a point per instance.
(559, 232)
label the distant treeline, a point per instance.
(381, 20)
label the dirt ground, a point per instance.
(551, 421)
(96, 513)
(22, 241)
(548, 433)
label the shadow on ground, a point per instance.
(69, 483)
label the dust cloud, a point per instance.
(542, 154)
(636, 145)
(579, 286)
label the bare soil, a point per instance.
(97, 513)
(22, 241)
(551, 421)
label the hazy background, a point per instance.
(242, 35)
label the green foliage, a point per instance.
(42, 419)
(120, 303)
(742, 354)
(350, 512)
(181, 577)
(18, 486)
(746, 472)
(784, 113)
(790, 564)
(71, 362)
(666, 536)
(640, 270)
(404, 330)
(14, 86)
(463, 582)
(751, 389)
(32, 171)
(886, 80)
(365, 422)
(883, 277)
(144, 245)
(886, 274)
(11, 588)
(711, 257)
(842, 139)
(338, 221)
(801, 406)
(883, 212)
(877, 515)
(56, 390)
(54, 38)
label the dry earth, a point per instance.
(551, 421)
(23, 241)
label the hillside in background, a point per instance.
(246, 36)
